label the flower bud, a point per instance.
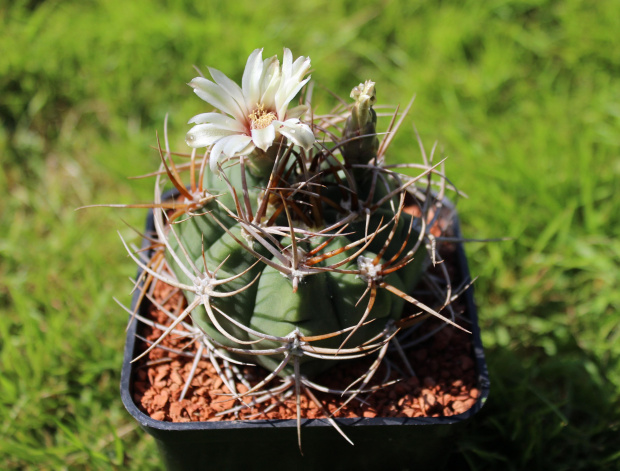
(361, 143)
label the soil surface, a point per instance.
(444, 385)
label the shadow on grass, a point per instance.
(544, 412)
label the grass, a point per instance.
(522, 96)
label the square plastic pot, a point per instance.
(380, 443)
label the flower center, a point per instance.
(261, 118)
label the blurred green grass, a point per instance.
(522, 96)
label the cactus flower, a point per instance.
(255, 115)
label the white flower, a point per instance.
(256, 113)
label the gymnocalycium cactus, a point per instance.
(290, 238)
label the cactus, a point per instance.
(289, 237)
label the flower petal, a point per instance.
(296, 112)
(285, 94)
(230, 87)
(215, 155)
(250, 83)
(291, 81)
(263, 138)
(238, 145)
(270, 83)
(300, 68)
(204, 135)
(228, 146)
(215, 95)
(219, 120)
(287, 63)
(295, 131)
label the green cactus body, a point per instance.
(323, 303)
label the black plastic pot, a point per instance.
(380, 443)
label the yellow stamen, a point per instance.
(260, 117)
